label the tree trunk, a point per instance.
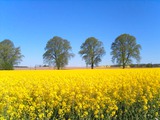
(92, 66)
(124, 65)
(58, 67)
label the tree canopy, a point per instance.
(91, 51)
(57, 52)
(9, 55)
(124, 49)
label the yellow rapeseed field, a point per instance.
(131, 94)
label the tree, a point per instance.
(124, 49)
(9, 55)
(91, 51)
(57, 52)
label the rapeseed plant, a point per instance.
(80, 94)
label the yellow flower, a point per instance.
(96, 112)
(41, 115)
(102, 116)
(113, 113)
(60, 111)
(156, 114)
(85, 113)
(96, 116)
(42, 94)
(145, 107)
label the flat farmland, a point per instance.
(102, 94)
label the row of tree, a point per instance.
(124, 48)
(58, 52)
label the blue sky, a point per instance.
(31, 23)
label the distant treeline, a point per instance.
(149, 65)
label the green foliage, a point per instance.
(57, 52)
(91, 51)
(9, 55)
(149, 65)
(124, 48)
